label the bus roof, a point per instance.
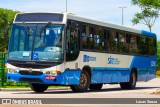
(109, 25)
(62, 18)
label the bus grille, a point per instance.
(30, 80)
(26, 72)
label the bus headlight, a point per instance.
(47, 73)
(10, 70)
(53, 72)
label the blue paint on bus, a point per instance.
(66, 78)
(146, 33)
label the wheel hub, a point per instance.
(83, 81)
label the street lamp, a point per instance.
(122, 13)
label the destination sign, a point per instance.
(39, 17)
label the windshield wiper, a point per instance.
(27, 29)
(47, 25)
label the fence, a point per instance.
(3, 56)
(3, 71)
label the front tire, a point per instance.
(84, 83)
(132, 82)
(38, 87)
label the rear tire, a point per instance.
(132, 82)
(95, 86)
(84, 83)
(38, 87)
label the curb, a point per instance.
(15, 89)
(28, 89)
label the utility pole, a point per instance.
(122, 13)
(66, 6)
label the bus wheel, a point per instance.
(84, 83)
(132, 82)
(95, 86)
(38, 87)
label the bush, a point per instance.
(158, 73)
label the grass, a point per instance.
(29, 87)
(157, 76)
(16, 87)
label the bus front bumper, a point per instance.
(65, 78)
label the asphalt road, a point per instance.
(150, 89)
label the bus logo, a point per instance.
(153, 63)
(30, 70)
(113, 61)
(87, 58)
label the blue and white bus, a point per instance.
(64, 49)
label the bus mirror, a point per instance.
(6, 32)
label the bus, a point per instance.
(50, 49)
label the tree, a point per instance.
(149, 12)
(158, 53)
(6, 19)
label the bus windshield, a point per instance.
(36, 42)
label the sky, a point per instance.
(104, 10)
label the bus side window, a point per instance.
(134, 45)
(100, 39)
(104, 40)
(123, 43)
(151, 46)
(113, 41)
(87, 37)
(143, 46)
(90, 40)
(84, 37)
(72, 44)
